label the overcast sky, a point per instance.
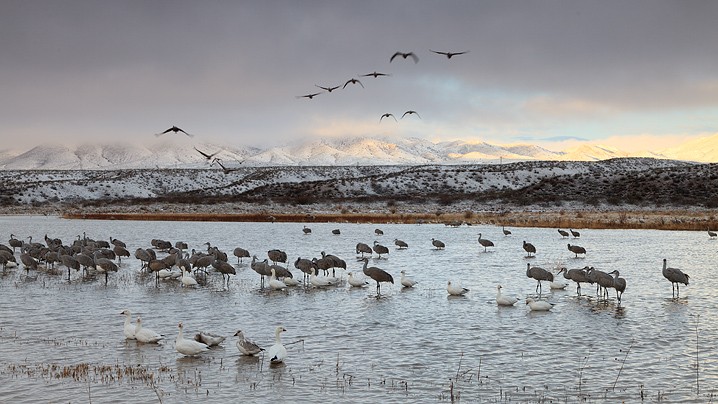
(641, 72)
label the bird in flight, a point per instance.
(410, 112)
(225, 169)
(327, 89)
(173, 129)
(207, 156)
(405, 55)
(374, 74)
(449, 55)
(386, 116)
(353, 81)
(310, 96)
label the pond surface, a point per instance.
(63, 341)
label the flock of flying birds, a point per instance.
(375, 74)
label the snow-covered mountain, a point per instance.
(324, 152)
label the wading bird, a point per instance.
(485, 243)
(539, 274)
(676, 276)
(377, 274)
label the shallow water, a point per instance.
(62, 341)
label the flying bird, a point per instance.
(449, 55)
(410, 112)
(352, 81)
(374, 74)
(405, 55)
(207, 156)
(175, 130)
(225, 169)
(327, 89)
(310, 96)
(386, 116)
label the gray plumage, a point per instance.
(529, 248)
(485, 243)
(619, 284)
(379, 275)
(577, 249)
(539, 274)
(401, 244)
(438, 244)
(574, 233)
(240, 253)
(380, 249)
(676, 276)
(363, 249)
(277, 256)
(563, 233)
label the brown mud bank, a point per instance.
(584, 219)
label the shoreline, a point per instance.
(670, 219)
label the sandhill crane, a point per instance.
(574, 233)
(577, 249)
(676, 276)
(529, 248)
(308, 96)
(305, 266)
(307, 230)
(411, 112)
(485, 243)
(456, 290)
(539, 274)
(378, 232)
(438, 244)
(336, 232)
(712, 234)
(379, 275)
(71, 263)
(401, 244)
(506, 232)
(14, 243)
(503, 300)
(144, 256)
(225, 269)
(328, 89)
(404, 55)
(352, 81)
(406, 281)
(374, 74)
(386, 115)
(619, 284)
(380, 249)
(120, 252)
(205, 155)
(604, 281)
(449, 55)
(240, 253)
(262, 268)
(563, 233)
(578, 275)
(277, 256)
(363, 249)
(323, 263)
(104, 265)
(336, 262)
(175, 130)
(28, 261)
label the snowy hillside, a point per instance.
(325, 152)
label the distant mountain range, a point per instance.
(325, 152)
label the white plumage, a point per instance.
(319, 281)
(406, 281)
(246, 346)
(503, 300)
(538, 305)
(277, 353)
(188, 280)
(275, 283)
(356, 281)
(145, 334)
(188, 347)
(129, 330)
(456, 290)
